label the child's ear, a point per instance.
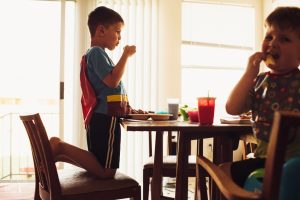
(100, 29)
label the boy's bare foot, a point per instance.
(55, 146)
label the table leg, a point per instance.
(156, 183)
(217, 149)
(220, 155)
(227, 150)
(182, 166)
(200, 189)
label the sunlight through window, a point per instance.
(29, 79)
(215, 48)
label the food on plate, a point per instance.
(139, 111)
(145, 115)
(138, 114)
(246, 115)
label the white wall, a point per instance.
(169, 64)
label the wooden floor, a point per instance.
(169, 188)
(17, 191)
(24, 190)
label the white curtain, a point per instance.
(82, 43)
(141, 76)
(140, 80)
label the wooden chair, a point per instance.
(249, 145)
(284, 123)
(70, 183)
(168, 167)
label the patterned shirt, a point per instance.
(272, 93)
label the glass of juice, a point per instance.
(206, 110)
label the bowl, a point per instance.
(160, 117)
(193, 115)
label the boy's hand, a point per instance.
(254, 63)
(129, 50)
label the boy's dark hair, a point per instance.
(104, 16)
(285, 18)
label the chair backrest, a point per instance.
(46, 173)
(285, 132)
(171, 145)
(285, 125)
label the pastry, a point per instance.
(269, 60)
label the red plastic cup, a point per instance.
(206, 110)
(193, 115)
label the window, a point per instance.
(30, 51)
(277, 3)
(31, 58)
(217, 39)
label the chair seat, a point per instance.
(226, 168)
(170, 162)
(72, 182)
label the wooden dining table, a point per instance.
(223, 135)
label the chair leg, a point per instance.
(196, 193)
(146, 183)
(36, 191)
(137, 195)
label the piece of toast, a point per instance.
(270, 60)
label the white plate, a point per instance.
(232, 120)
(139, 116)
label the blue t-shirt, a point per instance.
(110, 101)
